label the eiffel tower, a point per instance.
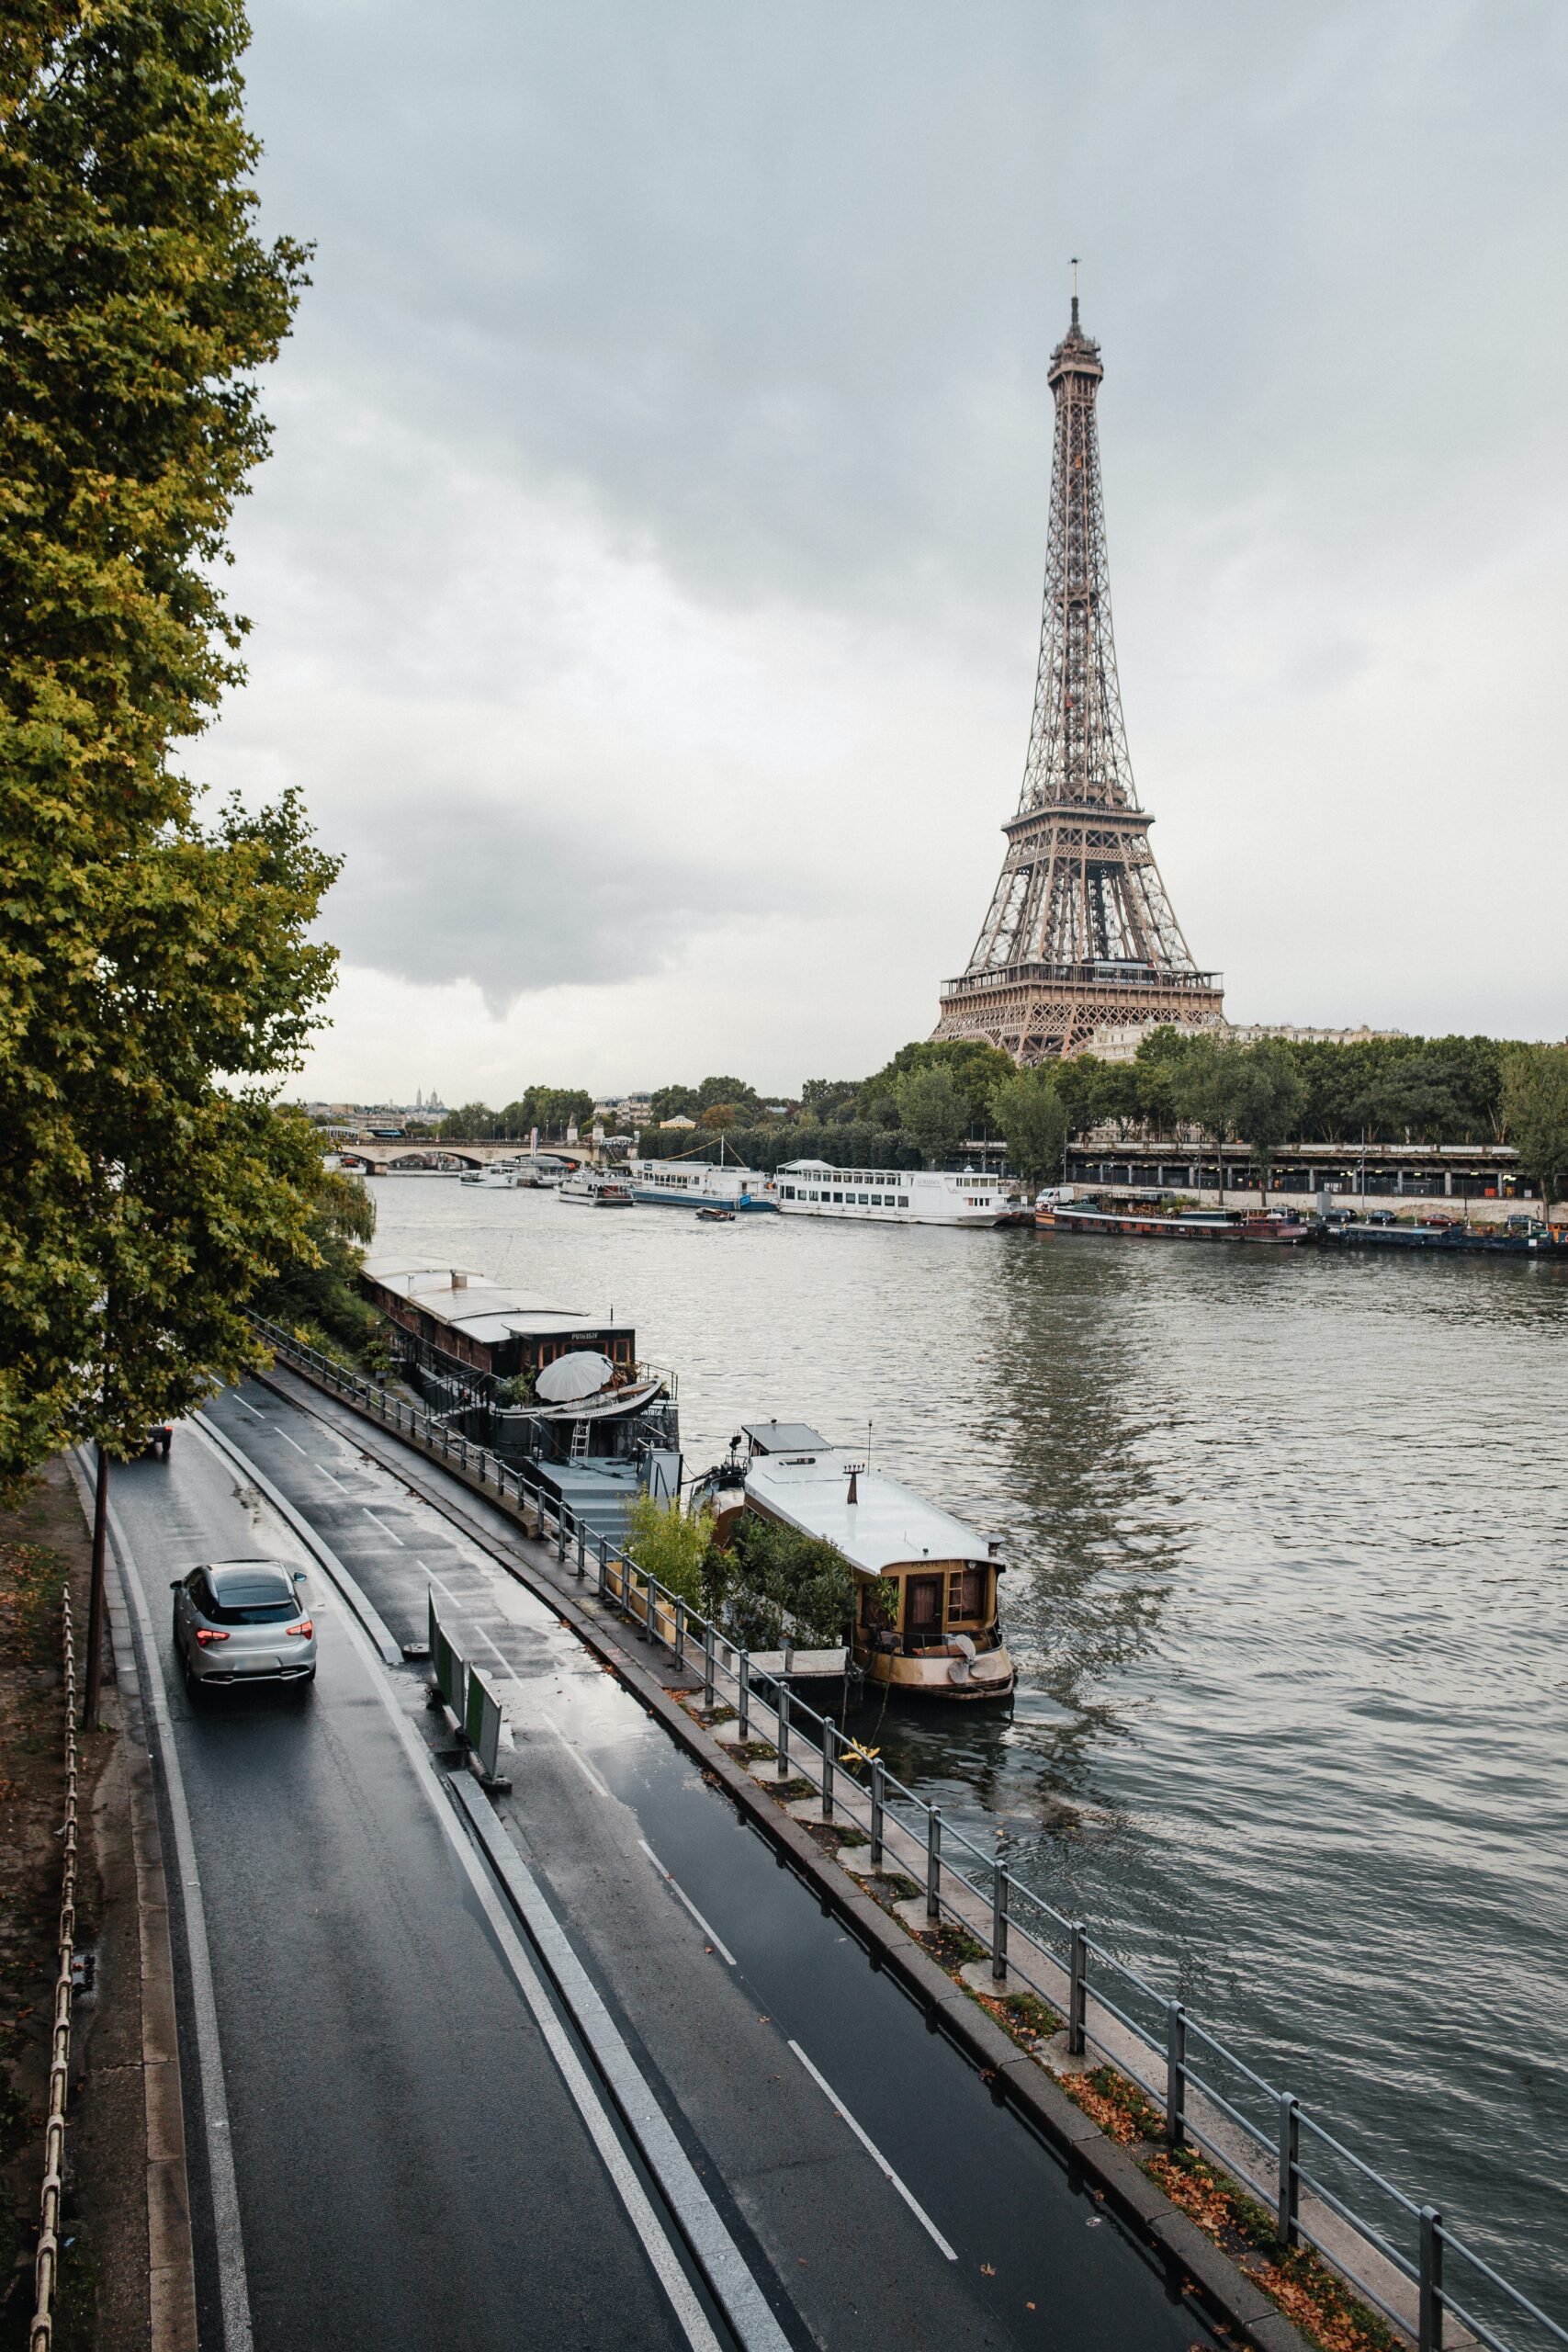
(1080, 937)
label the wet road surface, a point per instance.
(408, 2162)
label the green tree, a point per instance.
(932, 1112)
(470, 1123)
(1030, 1117)
(734, 1092)
(785, 1583)
(678, 1548)
(1265, 1102)
(318, 1296)
(675, 1103)
(1207, 1094)
(974, 1066)
(1535, 1105)
(826, 1098)
(156, 971)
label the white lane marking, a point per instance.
(676, 1888)
(456, 1603)
(383, 1526)
(601, 1788)
(874, 2153)
(293, 1441)
(248, 1408)
(640, 2211)
(234, 2291)
(326, 1474)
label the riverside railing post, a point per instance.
(998, 1923)
(1175, 2074)
(680, 1632)
(743, 1701)
(1078, 1989)
(1290, 2150)
(877, 1813)
(828, 1736)
(560, 1533)
(707, 1668)
(784, 1728)
(603, 1568)
(1429, 2312)
(582, 1552)
(933, 1864)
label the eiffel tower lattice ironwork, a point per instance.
(1080, 937)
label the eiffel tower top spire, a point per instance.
(1079, 930)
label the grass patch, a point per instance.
(1306, 2291)
(794, 1791)
(1302, 2286)
(892, 1886)
(949, 1944)
(831, 1838)
(753, 1751)
(1024, 2015)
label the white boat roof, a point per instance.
(476, 1305)
(888, 1526)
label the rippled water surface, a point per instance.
(1287, 1541)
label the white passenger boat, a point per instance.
(701, 1183)
(925, 1617)
(501, 1176)
(593, 1188)
(891, 1195)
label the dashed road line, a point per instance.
(677, 1888)
(874, 2153)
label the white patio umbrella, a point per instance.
(571, 1377)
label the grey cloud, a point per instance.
(515, 904)
(778, 288)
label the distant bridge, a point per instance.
(375, 1157)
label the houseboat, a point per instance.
(891, 1195)
(699, 1184)
(926, 1618)
(1136, 1221)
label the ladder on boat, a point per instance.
(579, 1441)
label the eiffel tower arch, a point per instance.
(1080, 937)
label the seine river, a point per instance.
(1288, 1546)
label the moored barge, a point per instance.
(926, 1618)
(1137, 1223)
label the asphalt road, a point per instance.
(409, 2162)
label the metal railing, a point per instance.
(46, 2261)
(1301, 2173)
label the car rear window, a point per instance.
(253, 1600)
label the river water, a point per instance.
(1288, 1591)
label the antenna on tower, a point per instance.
(1075, 289)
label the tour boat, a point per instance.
(926, 1620)
(891, 1195)
(1137, 1223)
(593, 1189)
(712, 1214)
(700, 1183)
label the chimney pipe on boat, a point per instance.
(854, 1492)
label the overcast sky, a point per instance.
(645, 578)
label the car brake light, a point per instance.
(204, 1634)
(304, 1628)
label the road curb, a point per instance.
(171, 2258)
(1014, 2078)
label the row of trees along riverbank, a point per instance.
(929, 1100)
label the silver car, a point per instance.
(243, 1621)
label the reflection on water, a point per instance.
(1285, 1540)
